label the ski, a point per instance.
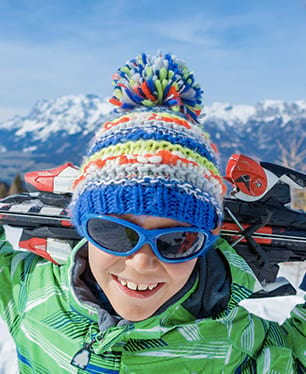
(258, 221)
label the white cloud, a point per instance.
(193, 30)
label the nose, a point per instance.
(143, 260)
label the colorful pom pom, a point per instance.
(161, 80)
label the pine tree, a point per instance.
(17, 186)
(3, 190)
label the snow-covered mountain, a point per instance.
(71, 114)
(272, 130)
(59, 130)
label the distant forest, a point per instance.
(17, 186)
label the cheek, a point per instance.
(179, 273)
(98, 260)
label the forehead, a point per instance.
(152, 222)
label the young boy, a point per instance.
(150, 288)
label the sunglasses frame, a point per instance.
(147, 237)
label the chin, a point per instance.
(134, 316)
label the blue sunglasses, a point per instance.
(122, 238)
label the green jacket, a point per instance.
(56, 326)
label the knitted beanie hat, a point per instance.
(154, 158)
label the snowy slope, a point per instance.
(8, 360)
(72, 114)
(264, 111)
(76, 113)
(278, 308)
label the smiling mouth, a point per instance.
(137, 288)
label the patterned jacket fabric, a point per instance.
(57, 328)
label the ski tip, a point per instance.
(58, 180)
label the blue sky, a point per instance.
(240, 51)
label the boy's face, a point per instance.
(139, 284)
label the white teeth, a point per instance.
(139, 287)
(132, 285)
(142, 287)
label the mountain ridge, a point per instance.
(59, 130)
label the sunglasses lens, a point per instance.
(120, 238)
(180, 244)
(111, 235)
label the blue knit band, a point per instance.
(145, 199)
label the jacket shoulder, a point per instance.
(23, 277)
